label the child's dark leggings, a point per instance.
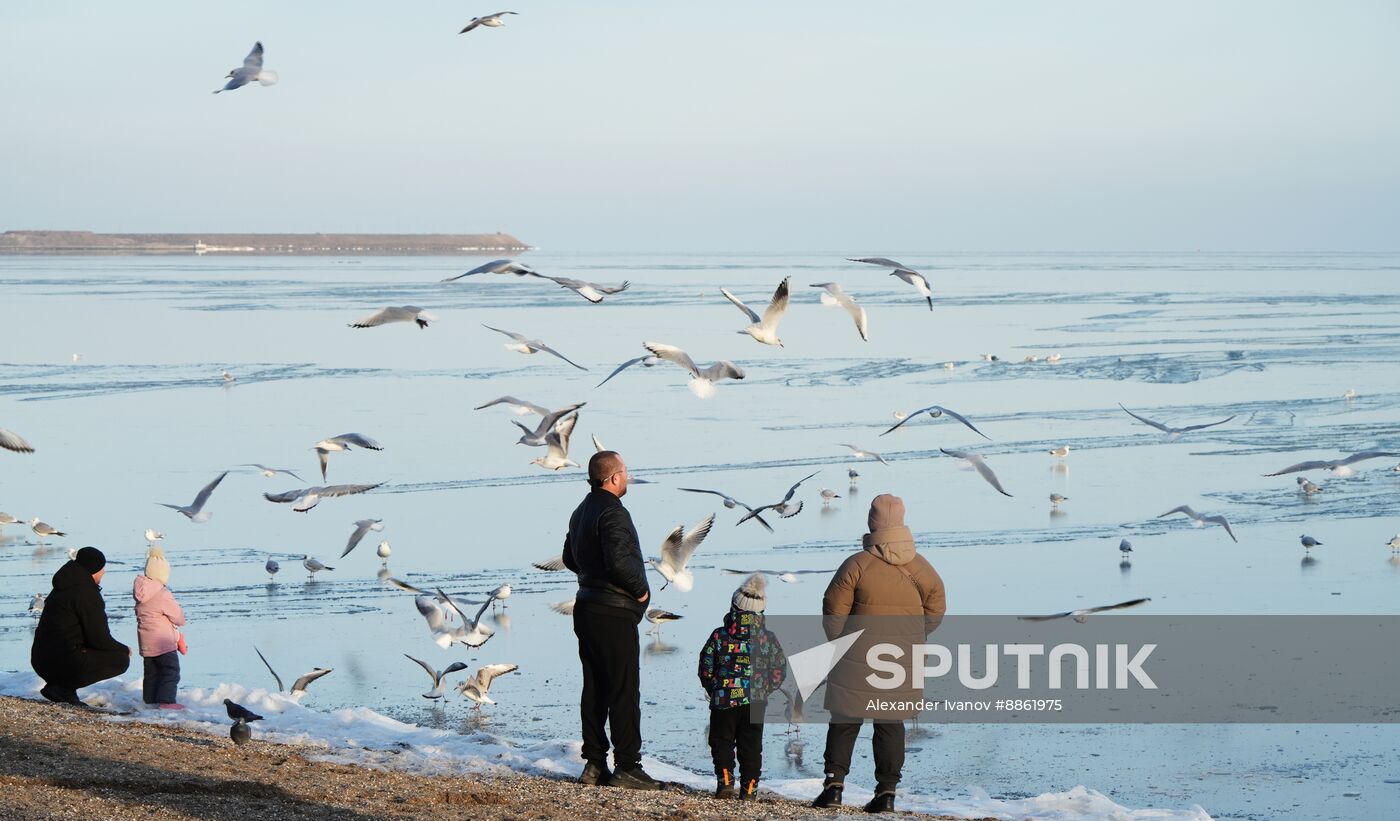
(732, 730)
(162, 677)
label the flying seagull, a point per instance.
(1197, 520)
(403, 313)
(496, 266)
(299, 686)
(702, 380)
(785, 509)
(362, 527)
(336, 444)
(530, 346)
(536, 438)
(303, 499)
(676, 550)
(591, 291)
(517, 406)
(271, 472)
(980, 464)
(834, 297)
(645, 361)
(194, 511)
(788, 576)
(557, 440)
(731, 503)
(1339, 467)
(904, 272)
(9, 440)
(1082, 615)
(861, 453)
(437, 675)
(471, 633)
(1171, 432)
(475, 688)
(935, 411)
(251, 71)
(490, 20)
(764, 329)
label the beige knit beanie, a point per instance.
(156, 566)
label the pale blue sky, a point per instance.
(858, 127)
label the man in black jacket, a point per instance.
(602, 548)
(72, 646)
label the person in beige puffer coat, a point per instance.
(894, 595)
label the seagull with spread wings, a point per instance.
(524, 345)
(490, 21)
(1198, 520)
(935, 411)
(765, 328)
(537, 438)
(437, 675)
(730, 502)
(303, 499)
(251, 71)
(517, 406)
(1083, 614)
(336, 444)
(194, 511)
(785, 509)
(557, 440)
(702, 380)
(1171, 432)
(496, 266)
(362, 527)
(472, 632)
(591, 291)
(647, 361)
(299, 686)
(476, 687)
(402, 313)
(862, 453)
(904, 272)
(1338, 467)
(980, 465)
(9, 440)
(788, 576)
(676, 550)
(271, 472)
(834, 297)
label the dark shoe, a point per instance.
(61, 695)
(749, 791)
(724, 785)
(594, 775)
(882, 802)
(830, 797)
(635, 778)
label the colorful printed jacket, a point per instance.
(742, 662)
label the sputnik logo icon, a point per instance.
(811, 667)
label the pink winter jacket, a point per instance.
(157, 616)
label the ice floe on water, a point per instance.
(358, 735)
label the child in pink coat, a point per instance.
(157, 617)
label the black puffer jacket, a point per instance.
(73, 624)
(602, 548)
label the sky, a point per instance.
(778, 125)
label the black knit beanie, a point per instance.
(91, 559)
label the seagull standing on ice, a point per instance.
(313, 566)
(764, 329)
(42, 529)
(1125, 547)
(1309, 542)
(271, 567)
(383, 552)
(658, 617)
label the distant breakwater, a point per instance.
(88, 242)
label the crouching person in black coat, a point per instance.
(72, 646)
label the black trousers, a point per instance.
(887, 744)
(733, 730)
(162, 678)
(85, 668)
(608, 650)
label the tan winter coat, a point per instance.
(893, 593)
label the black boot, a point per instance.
(594, 774)
(61, 695)
(724, 785)
(831, 795)
(635, 778)
(882, 802)
(749, 790)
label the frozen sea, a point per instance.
(1276, 340)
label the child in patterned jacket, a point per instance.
(739, 666)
